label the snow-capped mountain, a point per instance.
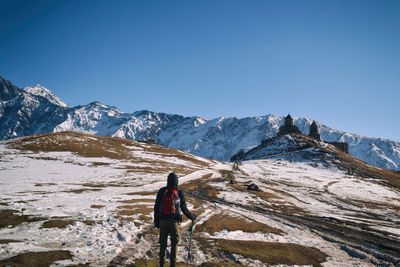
(46, 93)
(31, 111)
(23, 113)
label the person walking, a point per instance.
(170, 200)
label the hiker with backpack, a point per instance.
(170, 200)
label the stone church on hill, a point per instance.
(314, 132)
(289, 128)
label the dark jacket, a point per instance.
(172, 183)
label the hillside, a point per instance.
(298, 147)
(35, 110)
(82, 199)
(81, 193)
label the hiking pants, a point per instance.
(172, 228)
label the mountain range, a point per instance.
(34, 110)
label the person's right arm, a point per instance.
(157, 209)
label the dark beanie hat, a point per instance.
(172, 180)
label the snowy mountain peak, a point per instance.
(40, 90)
(96, 106)
(199, 121)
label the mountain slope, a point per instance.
(8, 91)
(23, 113)
(27, 114)
(301, 148)
(46, 93)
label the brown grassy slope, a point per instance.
(12, 218)
(87, 145)
(84, 145)
(159, 160)
(274, 253)
(222, 221)
(37, 259)
(356, 166)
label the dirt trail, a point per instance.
(145, 243)
(357, 239)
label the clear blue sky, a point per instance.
(337, 62)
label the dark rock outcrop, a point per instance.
(253, 187)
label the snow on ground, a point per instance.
(320, 189)
(63, 184)
(71, 187)
(293, 234)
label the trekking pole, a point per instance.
(190, 243)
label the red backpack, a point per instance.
(170, 203)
